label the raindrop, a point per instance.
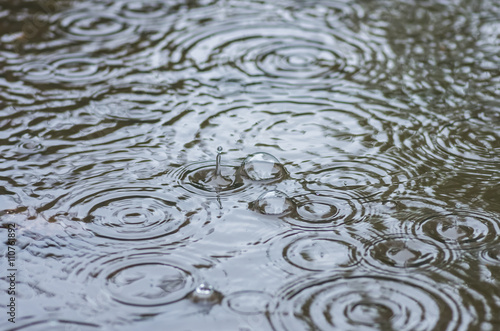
(262, 166)
(273, 203)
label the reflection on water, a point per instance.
(357, 187)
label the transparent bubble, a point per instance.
(205, 293)
(274, 203)
(262, 166)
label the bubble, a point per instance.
(273, 203)
(205, 293)
(263, 167)
(367, 303)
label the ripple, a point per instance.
(459, 230)
(76, 68)
(201, 178)
(150, 13)
(315, 252)
(93, 25)
(367, 303)
(472, 140)
(130, 213)
(55, 324)
(491, 255)
(324, 209)
(148, 279)
(138, 102)
(248, 302)
(404, 252)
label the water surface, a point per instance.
(356, 188)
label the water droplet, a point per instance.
(263, 166)
(274, 203)
(205, 293)
(204, 290)
(219, 149)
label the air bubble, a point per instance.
(205, 293)
(273, 203)
(262, 166)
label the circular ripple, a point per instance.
(146, 280)
(459, 230)
(149, 12)
(62, 324)
(77, 69)
(130, 213)
(200, 178)
(93, 25)
(314, 252)
(472, 140)
(492, 255)
(325, 209)
(138, 102)
(248, 302)
(403, 252)
(366, 303)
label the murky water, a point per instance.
(356, 188)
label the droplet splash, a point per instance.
(263, 167)
(273, 203)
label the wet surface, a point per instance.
(356, 186)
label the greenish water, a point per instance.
(357, 187)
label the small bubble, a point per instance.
(204, 289)
(274, 203)
(262, 166)
(205, 293)
(219, 149)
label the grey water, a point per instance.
(356, 186)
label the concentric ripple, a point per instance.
(325, 209)
(460, 230)
(472, 140)
(55, 324)
(130, 213)
(138, 102)
(149, 279)
(404, 252)
(249, 302)
(284, 51)
(95, 25)
(367, 303)
(201, 178)
(315, 252)
(76, 69)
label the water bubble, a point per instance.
(262, 166)
(273, 203)
(205, 293)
